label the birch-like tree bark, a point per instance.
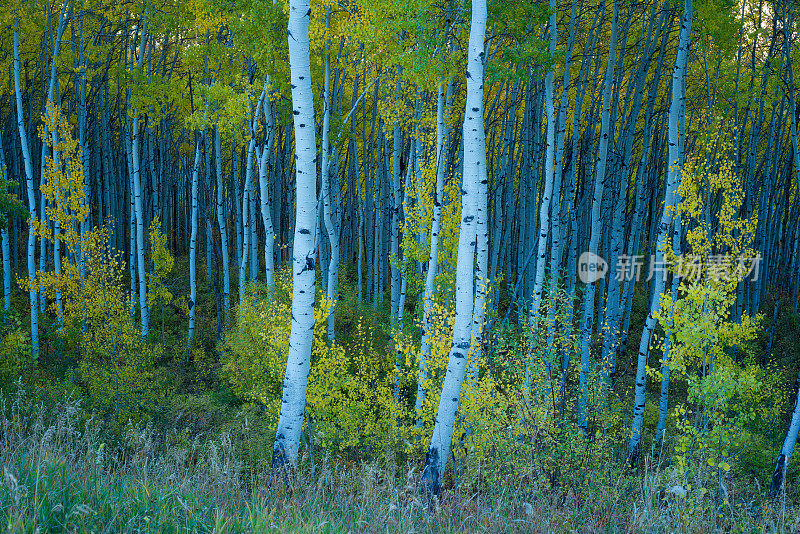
(397, 203)
(193, 241)
(328, 195)
(664, 227)
(544, 207)
(137, 194)
(223, 228)
(248, 218)
(26, 157)
(290, 422)
(665, 364)
(782, 465)
(445, 94)
(266, 197)
(5, 244)
(587, 316)
(474, 173)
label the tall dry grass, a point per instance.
(59, 475)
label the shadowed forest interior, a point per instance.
(369, 265)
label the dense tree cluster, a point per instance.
(499, 157)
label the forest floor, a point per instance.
(201, 464)
(61, 475)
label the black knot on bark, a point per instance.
(431, 475)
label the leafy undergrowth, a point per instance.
(59, 475)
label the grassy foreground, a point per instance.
(60, 476)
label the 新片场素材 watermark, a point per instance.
(592, 267)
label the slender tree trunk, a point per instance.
(445, 96)
(587, 317)
(4, 231)
(264, 177)
(26, 157)
(664, 228)
(544, 207)
(474, 173)
(397, 202)
(290, 422)
(237, 205)
(328, 195)
(193, 243)
(248, 219)
(223, 229)
(782, 465)
(140, 244)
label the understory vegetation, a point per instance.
(341, 266)
(145, 435)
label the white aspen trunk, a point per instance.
(320, 243)
(419, 182)
(445, 96)
(6, 271)
(360, 248)
(140, 244)
(57, 230)
(397, 312)
(131, 220)
(266, 197)
(84, 225)
(26, 157)
(328, 195)
(245, 239)
(6, 255)
(481, 273)
(253, 229)
(612, 334)
(369, 214)
(205, 208)
(223, 229)
(237, 205)
(46, 222)
(155, 175)
(544, 207)
(559, 207)
(377, 244)
(474, 173)
(298, 364)
(397, 201)
(402, 305)
(782, 465)
(193, 244)
(247, 211)
(137, 199)
(52, 87)
(587, 316)
(664, 227)
(663, 404)
(795, 153)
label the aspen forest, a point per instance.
(341, 266)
